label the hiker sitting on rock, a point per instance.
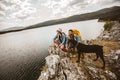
(73, 35)
(60, 40)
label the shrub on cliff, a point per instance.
(108, 25)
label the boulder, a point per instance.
(62, 68)
(113, 34)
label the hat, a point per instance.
(59, 30)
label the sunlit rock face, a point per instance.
(52, 63)
(113, 34)
(113, 61)
(62, 68)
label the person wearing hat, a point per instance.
(60, 39)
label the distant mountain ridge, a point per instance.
(11, 28)
(112, 13)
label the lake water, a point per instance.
(22, 53)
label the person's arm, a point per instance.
(55, 37)
(63, 41)
(66, 42)
(78, 39)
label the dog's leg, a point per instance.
(82, 55)
(102, 58)
(79, 54)
(96, 57)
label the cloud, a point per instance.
(16, 9)
(66, 7)
(23, 13)
(72, 7)
(5, 25)
(103, 2)
(2, 13)
(26, 12)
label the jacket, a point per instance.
(61, 39)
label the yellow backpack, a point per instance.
(77, 33)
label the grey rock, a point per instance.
(113, 34)
(62, 68)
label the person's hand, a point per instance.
(59, 46)
(68, 49)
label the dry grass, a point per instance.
(108, 45)
(44, 68)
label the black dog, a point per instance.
(82, 48)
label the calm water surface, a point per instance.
(22, 53)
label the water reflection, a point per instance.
(22, 53)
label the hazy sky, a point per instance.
(27, 12)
